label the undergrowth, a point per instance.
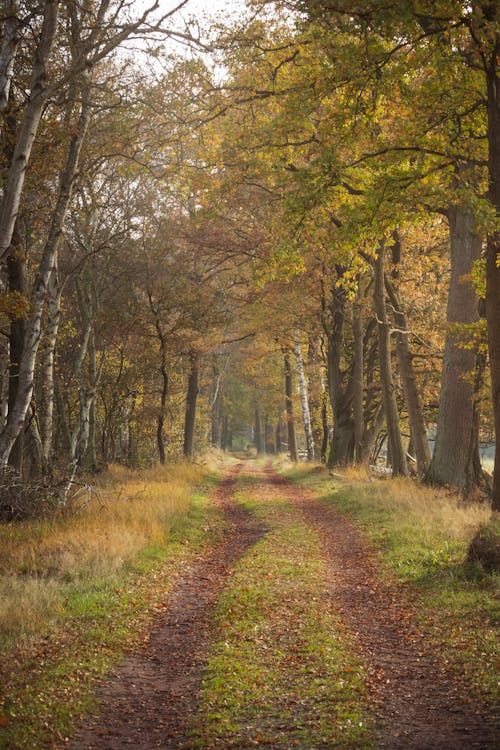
(423, 535)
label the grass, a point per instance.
(80, 589)
(283, 672)
(42, 562)
(423, 535)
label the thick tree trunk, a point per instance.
(452, 459)
(191, 399)
(306, 415)
(17, 415)
(493, 255)
(418, 427)
(290, 419)
(398, 456)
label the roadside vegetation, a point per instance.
(423, 536)
(76, 590)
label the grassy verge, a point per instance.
(423, 536)
(282, 673)
(79, 590)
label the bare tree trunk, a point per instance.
(257, 431)
(160, 421)
(28, 128)
(452, 454)
(358, 382)
(33, 325)
(342, 444)
(192, 396)
(493, 248)
(418, 427)
(4, 391)
(292, 445)
(279, 434)
(301, 379)
(16, 271)
(47, 370)
(399, 466)
(8, 50)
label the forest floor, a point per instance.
(287, 634)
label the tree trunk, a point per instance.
(216, 420)
(358, 382)
(47, 371)
(279, 434)
(8, 50)
(418, 427)
(257, 431)
(4, 393)
(451, 461)
(16, 272)
(301, 379)
(342, 445)
(325, 428)
(191, 398)
(17, 415)
(28, 128)
(292, 445)
(399, 466)
(493, 255)
(160, 421)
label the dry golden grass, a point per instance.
(429, 508)
(41, 560)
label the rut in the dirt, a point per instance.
(420, 702)
(151, 696)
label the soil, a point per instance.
(420, 703)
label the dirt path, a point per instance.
(152, 694)
(420, 704)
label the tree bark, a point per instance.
(16, 272)
(418, 427)
(306, 415)
(191, 398)
(8, 51)
(257, 431)
(292, 444)
(399, 466)
(28, 128)
(452, 459)
(493, 248)
(342, 444)
(358, 382)
(46, 408)
(33, 325)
